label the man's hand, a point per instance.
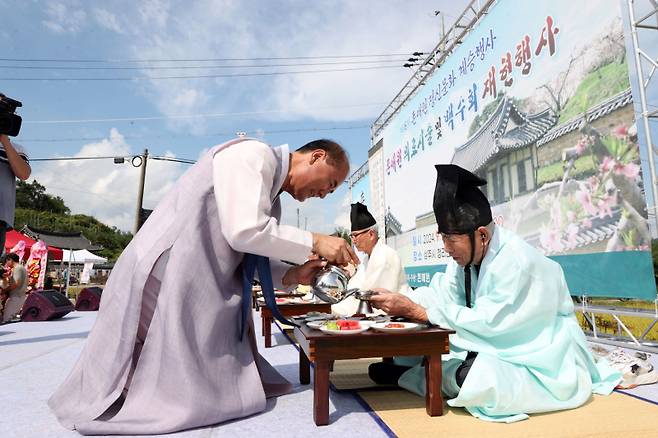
(350, 269)
(398, 305)
(335, 249)
(303, 274)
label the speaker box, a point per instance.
(89, 299)
(44, 305)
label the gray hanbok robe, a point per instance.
(167, 337)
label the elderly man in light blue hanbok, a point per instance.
(518, 348)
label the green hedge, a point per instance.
(583, 167)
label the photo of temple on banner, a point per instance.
(544, 113)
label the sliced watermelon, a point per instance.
(347, 324)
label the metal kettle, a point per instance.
(330, 285)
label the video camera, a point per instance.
(10, 123)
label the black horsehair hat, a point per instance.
(460, 206)
(361, 217)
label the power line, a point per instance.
(192, 116)
(228, 75)
(216, 134)
(271, 58)
(195, 67)
(80, 158)
(178, 160)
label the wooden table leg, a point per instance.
(321, 393)
(267, 331)
(304, 368)
(433, 400)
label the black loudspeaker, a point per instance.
(44, 305)
(89, 299)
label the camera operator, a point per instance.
(14, 164)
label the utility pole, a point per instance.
(297, 217)
(305, 222)
(140, 192)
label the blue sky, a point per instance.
(184, 117)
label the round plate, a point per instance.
(408, 326)
(363, 328)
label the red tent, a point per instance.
(13, 237)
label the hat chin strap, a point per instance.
(467, 270)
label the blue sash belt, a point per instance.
(250, 264)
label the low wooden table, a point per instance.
(322, 349)
(288, 310)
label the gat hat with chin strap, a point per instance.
(361, 217)
(460, 207)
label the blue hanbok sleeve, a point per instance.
(444, 289)
(515, 303)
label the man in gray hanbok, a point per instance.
(166, 351)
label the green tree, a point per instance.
(344, 233)
(33, 196)
(483, 117)
(111, 239)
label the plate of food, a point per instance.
(343, 327)
(395, 326)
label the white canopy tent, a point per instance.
(82, 256)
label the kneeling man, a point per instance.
(518, 348)
(381, 266)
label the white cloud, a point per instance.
(154, 13)
(64, 17)
(343, 217)
(315, 214)
(107, 20)
(106, 190)
(246, 29)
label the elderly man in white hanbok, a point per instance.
(518, 348)
(380, 267)
(166, 352)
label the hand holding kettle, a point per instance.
(334, 249)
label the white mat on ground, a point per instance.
(36, 357)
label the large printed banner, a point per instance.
(537, 101)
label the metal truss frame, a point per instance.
(624, 336)
(462, 27)
(641, 57)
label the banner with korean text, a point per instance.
(536, 100)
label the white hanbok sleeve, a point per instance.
(243, 178)
(383, 271)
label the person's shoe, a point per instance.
(636, 370)
(599, 351)
(386, 373)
